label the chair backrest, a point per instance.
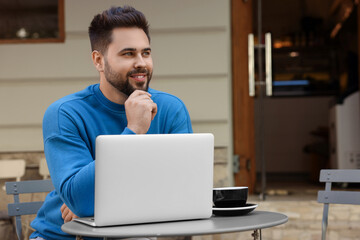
(337, 197)
(18, 208)
(43, 169)
(12, 168)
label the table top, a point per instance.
(213, 225)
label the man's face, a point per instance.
(128, 62)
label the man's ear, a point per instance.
(98, 60)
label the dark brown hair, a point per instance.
(100, 29)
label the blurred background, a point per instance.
(269, 142)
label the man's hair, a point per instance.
(100, 29)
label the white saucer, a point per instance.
(236, 211)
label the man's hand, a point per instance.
(140, 111)
(67, 214)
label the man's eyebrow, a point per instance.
(134, 50)
(128, 50)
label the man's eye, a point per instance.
(146, 53)
(128, 54)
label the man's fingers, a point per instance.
(62, 207)
(140, 111)
(137, 93)
(65, 213)
(136, 99)
(140, 98)
(68, 218)
(153, 111)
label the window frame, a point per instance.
(61, 26)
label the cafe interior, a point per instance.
(309, 121)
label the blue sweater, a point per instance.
(70, 126)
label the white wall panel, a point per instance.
(160, 13)
(21, 139)
(203, 96)
(24, 102)
(190, 42)
(219, 129)
(190, 53)
(69, 59)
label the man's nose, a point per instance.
(139, 62)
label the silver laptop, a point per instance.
(152, 178)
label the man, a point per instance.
(122, 103)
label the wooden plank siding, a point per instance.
(191, 51)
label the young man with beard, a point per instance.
(122, 103)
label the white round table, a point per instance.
(254, 221)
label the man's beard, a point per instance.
(123, 85)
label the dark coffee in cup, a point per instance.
(230, 197)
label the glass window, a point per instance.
(31, 21)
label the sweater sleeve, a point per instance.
(70, 162)
(181, 122)
(72, 171)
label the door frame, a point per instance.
(243, 104)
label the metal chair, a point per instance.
(10, 168)
(18, 208)
(338, 197)
(44, 173)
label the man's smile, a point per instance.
(140, 77)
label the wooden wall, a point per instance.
(191, 51)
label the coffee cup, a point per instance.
(230, 197)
